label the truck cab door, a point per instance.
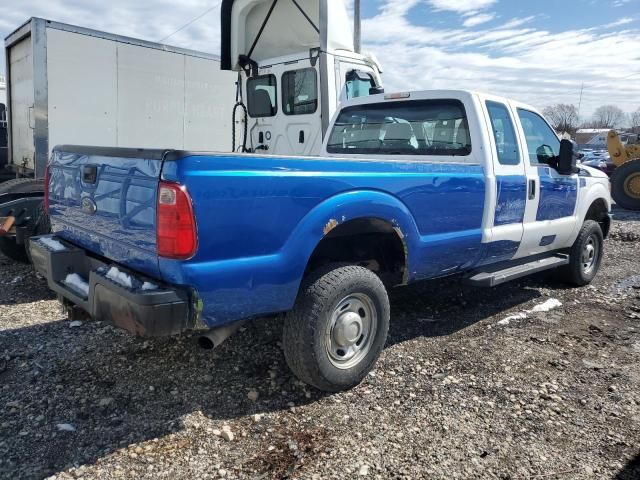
(550, 215)
(283, 104)
(507, 187)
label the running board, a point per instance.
(498, 277)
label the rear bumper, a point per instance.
(163, 311)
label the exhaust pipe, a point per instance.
(217, 336)
(357, 30)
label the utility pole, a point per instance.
(357, 22)
(580, 102)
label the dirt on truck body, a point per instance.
(528, 380)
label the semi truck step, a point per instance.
(513, 272)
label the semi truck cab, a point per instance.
(297, 62)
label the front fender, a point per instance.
(598, 190)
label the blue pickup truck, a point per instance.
(410, 187)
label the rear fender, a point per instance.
(248, 287)
(347, 207)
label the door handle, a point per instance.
(532, 189)
(29, 118)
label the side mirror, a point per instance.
(568, 158)
(545, 154)
(377, 90)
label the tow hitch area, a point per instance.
(110, 293)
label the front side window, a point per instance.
(504, 134)
(542, 142)
(262, 96)
(300, 92)
(414, 127)
(358, 84)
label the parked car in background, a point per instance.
(599, 159)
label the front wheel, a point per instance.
(338, 327)
(585, 255)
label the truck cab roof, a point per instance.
(458, 94)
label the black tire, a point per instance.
(623, 192)
(309, 329)
(582, 269)
(22, 185)
(8, 246)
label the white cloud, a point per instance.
(478, 19)
(461, 6)
(513, 59)
(617, 23)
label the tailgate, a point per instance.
(104, 201)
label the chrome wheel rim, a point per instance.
(590, 253)
(351, 330)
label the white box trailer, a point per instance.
(72, 85)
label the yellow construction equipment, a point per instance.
(625, 180)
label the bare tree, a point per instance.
(564, 118)
(608, 116)
(634, 118)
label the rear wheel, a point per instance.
(625, 185)
(585, 255)
(338, 327)
(8, 245)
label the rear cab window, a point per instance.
(300, 92)
(411, 127)
(262, 93)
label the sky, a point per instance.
(543, 52)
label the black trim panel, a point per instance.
(225, 43)
(141, 153)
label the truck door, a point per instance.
(300, 92)
(284, 110)
(551, 197)
(510, 196)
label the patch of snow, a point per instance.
(547, 306)
(119, 277)
(75, 324)
(511, 318)
(78, 283)
(65, 427)
(146, 286)
(52, 244)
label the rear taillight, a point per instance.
(46, 189)
(176, 226)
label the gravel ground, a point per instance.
(458, 392)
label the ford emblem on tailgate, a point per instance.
(88, 206)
